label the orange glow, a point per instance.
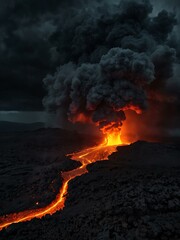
(114, 138)
(112, 133)
(133, 108)
(81, 117)
(86, 156)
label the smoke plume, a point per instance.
(113, 57)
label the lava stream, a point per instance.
(86, 157)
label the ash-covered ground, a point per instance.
(134, 195)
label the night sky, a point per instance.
(37, 38)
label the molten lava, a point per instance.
(113, 139)
(86, 156)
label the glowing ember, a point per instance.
(86, 156)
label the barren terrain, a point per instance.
(134, 195)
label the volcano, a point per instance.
(103, 78)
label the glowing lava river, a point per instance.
(86, 156)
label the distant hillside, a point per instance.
(17, 127)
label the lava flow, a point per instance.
(86, 156)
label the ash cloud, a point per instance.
(103, 90)
(113, 60)
(36, 38)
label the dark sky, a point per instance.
(29, 49)
(32, 45)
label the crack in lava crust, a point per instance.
(86, 156)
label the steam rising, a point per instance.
(109, 57)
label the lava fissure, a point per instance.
(86, 156)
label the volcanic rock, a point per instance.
(133, 196)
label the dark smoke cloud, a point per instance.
(37, 37)
(112, 60)
(102, 90)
